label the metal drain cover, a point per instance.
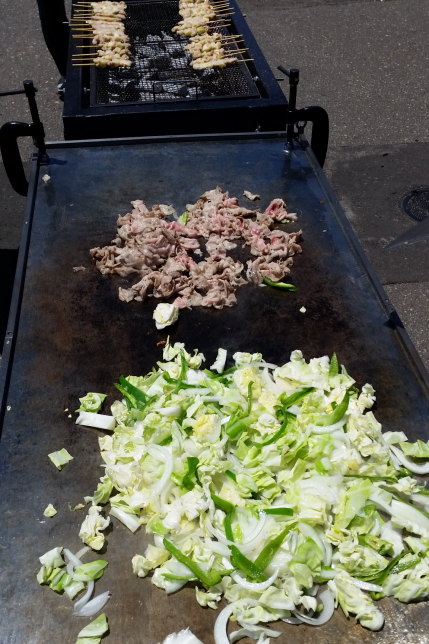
(415, 204)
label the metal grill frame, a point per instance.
(233, 81)
(264, 110)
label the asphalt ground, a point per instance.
(365, 61)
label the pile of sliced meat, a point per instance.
(190, 258)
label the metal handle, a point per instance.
(320, 131)
(9, 134)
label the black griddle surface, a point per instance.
(75, 336)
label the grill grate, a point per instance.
(160, 70)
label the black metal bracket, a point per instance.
(10, 133)
(315, 114)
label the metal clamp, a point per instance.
(315, 114)
(10, 133)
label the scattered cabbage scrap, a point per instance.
(60, 458)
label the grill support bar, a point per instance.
(11, 131)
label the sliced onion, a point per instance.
(173, 410)
(313, 591)
(326, 613)
(408, 463)
(72, 559)
(250, 585)
(420, 499)
(256, 632)
(254, 534)
(366, 585)
(327, 429)
(72, 562)
(162, 454)
(220, 634)
(291, 620)
(80, 603)
(94, 606)
(219, 548)
(327, 574)
(80, 553)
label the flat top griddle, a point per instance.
(73, 336)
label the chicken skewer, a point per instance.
(103, 23)
(206, 47)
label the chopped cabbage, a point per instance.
(261, 482)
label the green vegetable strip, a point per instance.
(221, 504)
(377, 544)
(336, 415)
(134, 395)
(278, 434)
(183, 219)
(334, 366)
(281, 285)
(191, 476)
(183, 367)
(381, 577)
(386, 479)
(280, 511)
(405, 565)
(269, 550)
(240, 562)
(180, 384)
(238, 424)
(171, 577)
(207, 578)
(249, 396)
(287, 401)
(225, 372)
(231, 475)
(227, 524)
